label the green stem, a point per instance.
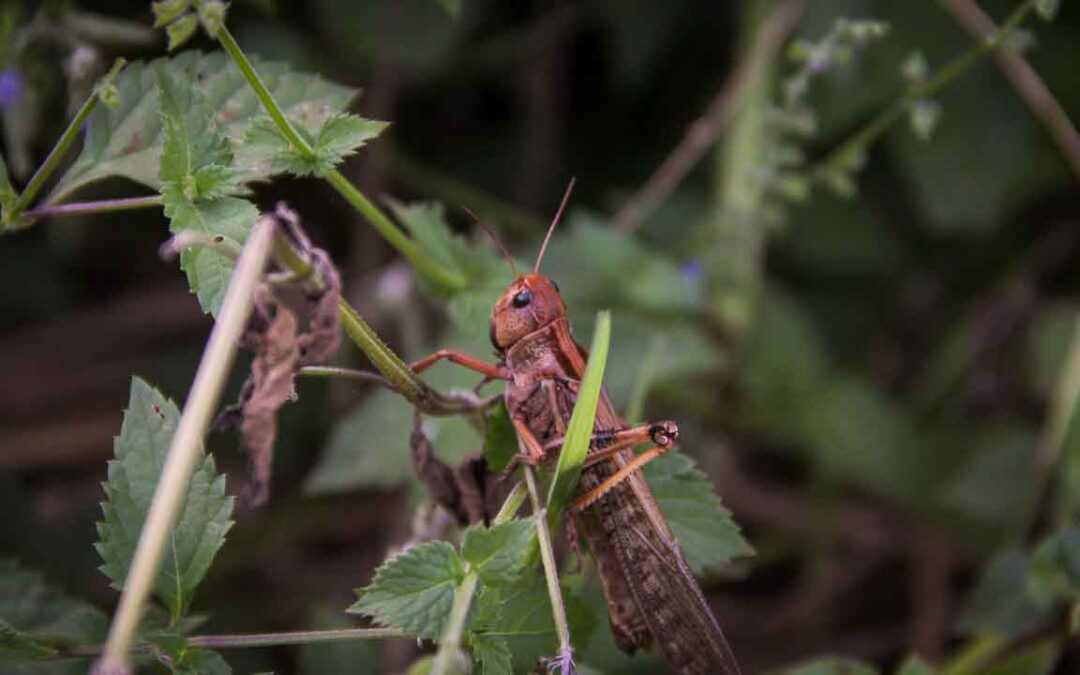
(393, 235)
(185, 449)
(845, 155)
(450, 641)
(37, 181)
(551, 572)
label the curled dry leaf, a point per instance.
(294, 324)
(469, 492)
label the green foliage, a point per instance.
(413, 590)
(140, 451)
(339, 136)
(833, 666)
(579, 431)
(127, 141)
(37, 618)
(173, 651)
(500, 439)
(705, 530)
(500, 553)
(196, 180)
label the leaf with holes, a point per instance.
(140, 450)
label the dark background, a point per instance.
(875, 426)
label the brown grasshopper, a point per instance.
(653, 599)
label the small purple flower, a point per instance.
(11, 86)
(692, 271)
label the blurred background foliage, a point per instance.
(881, 385)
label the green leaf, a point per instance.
(167, 10)
(140, 450)
(579, 431)
(500, 553)
(500, 439)
(414, 590)
(1037, 659)
(8, 196)
(491, 654)
(705, 530)
(452, 7)
(181, 30)
(1047, 9)
(196, 177)
(1001, 603)
(832, 666)
(36, 618)
(127, 141)
(520, 616)
(915, 665)
(340, 136)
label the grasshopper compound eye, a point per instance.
(522, 298)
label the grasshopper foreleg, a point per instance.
(494, 371)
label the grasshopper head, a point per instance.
(528, 304)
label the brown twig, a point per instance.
(703, 132)
(1025, 80)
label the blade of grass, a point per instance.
(579, 431)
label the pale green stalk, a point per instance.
(185, 450)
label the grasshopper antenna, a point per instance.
(498, 242)
(554, 222)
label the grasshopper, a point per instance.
(652, 597)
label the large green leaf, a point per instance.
(707, 534)
(500, 553)
(126, 141)
(36, 617)
(140, 449)
(414, 590)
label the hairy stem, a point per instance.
(450, 641)
(382, 223)
(850, 150)
(37, 181)
(551, 572)
(185, 449)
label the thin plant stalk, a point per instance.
(551, 572)
(450, 641)
(94, 207)
(185, 449)
(37, 181)
(846, 154)
(393, 235)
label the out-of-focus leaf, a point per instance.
(997, 483)
(36, 617)
(369, 447)
(500, 553)
(500, 440)
(707, 534)
(1047, 9)
(832, 666)
(126, 141)
(1000, 602)
(140, 449)
(414, 590)
(915, 665)
(1037, 659)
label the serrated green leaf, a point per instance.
(580, 429)
(413, 591)
(196, 176)
(15, 643)
(500, 553)
(127, 141)
(704, 528)
(167, 10)
(1047, 9)
(181, 658)
(500, 439)
(140, 451)
(342, 135)
(181, 30)
(266, 142)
